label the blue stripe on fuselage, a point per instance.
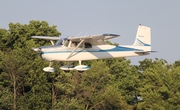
(116, 49)
(119, 48)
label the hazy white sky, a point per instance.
(104, 16)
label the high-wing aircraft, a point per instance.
(91, 47)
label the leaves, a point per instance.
(109, 84)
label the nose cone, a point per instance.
(39, 51)
(36, 49)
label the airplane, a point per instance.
(91, 47)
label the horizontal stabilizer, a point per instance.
(145, 51)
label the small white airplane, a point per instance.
(91, 48)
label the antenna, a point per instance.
(85, 33)
(78, 34)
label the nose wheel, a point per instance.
(49, 68)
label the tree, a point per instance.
(19, 66)
(14, 65)
(161, 85)
(176, 63)
(92, 89)
(109, 84)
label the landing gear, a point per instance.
(67, 68)
(80, 67)
(49, 68)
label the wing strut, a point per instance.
(52, 42)
(75, 48)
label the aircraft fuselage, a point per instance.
(62, 53)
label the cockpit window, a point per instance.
(74, 44)
(83, 45)
(88, 45)
(67, 43)
(61, 41)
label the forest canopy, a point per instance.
(110, 84)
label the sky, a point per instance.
(105, 16)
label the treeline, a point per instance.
(110, 84)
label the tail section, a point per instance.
(143, 38)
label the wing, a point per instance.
(99, 36)
(46, 37)
(110, 36)
(94, 39)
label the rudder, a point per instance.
(143, 36)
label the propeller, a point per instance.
(38, 50)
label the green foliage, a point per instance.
(161, 86)
(108, 42)
(21, 74)
(110, 84)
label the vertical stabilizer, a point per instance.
(143, 36)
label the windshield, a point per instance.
(61, 41)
